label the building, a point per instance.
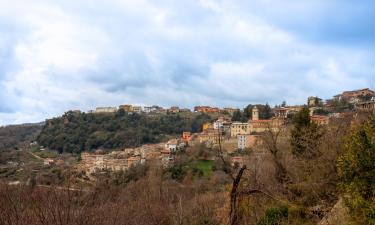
(92, 162)
(242, 141)
(259, 126)
(186, 136)
(320, 120)
(137, 109)
(206, 109)
(355, 96)
(228, 110)
(238, 128)
(172, 145)
(219, 123)
(174, 109)
(185, 110)
(148, 109)
(126, 108)
(106, 110)
(281, 112)
(366, 106)
(314, 101)
(205, 127)
(255, 113)
(256, 125)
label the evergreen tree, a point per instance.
(356, 170)
(237, 116)
(305, 136)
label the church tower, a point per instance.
(255, 113)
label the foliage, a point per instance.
(274, 216)
(76, 132)
(356, 169)
(237, 115)
(265, 111)
(177, 172)
(306, 135)
(11, 136)
(341, 105)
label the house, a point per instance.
(320, 120)
(281, 112)
(137, 109)
(355, 96)
(219, 123)
(186, 136)
(134, 160)
(126, 108)
(205, 127)
(92, 162)
(172, 145)
(228, 110)
(365, 106)
(206, 109)
(242, 141)
(174, 109)
(185, 110)
(106, 110)
(238, 128)
(148, 109)
(258, 126)
(314, 101)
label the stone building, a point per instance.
(105, 110)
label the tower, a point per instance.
(255, 113)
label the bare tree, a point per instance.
(271, 142)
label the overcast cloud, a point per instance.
(79, 54)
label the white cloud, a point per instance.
(64, 55)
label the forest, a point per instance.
(76, 132)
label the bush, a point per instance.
(356, 169)
(274, 216)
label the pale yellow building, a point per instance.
(238, 128)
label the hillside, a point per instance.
(13, 135)
(76, 132)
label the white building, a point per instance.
(219, 123)
(172, 145)
(147, 109)
(106, 110)
(242, 141)
(137, 109)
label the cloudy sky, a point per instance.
(58, 55)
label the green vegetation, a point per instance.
(76, 132)
(306, 135)
(356, 169)
(274, 216)
(205, 166)
(265, 112)
(12, 136)
(197, 167)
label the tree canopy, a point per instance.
(76, 132)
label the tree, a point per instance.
(305, 136)
(265, 112)
(356, 169)
(271, 141)
(237, 116)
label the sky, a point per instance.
(80, 54)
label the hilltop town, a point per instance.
(231, 132)
(287, 155)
